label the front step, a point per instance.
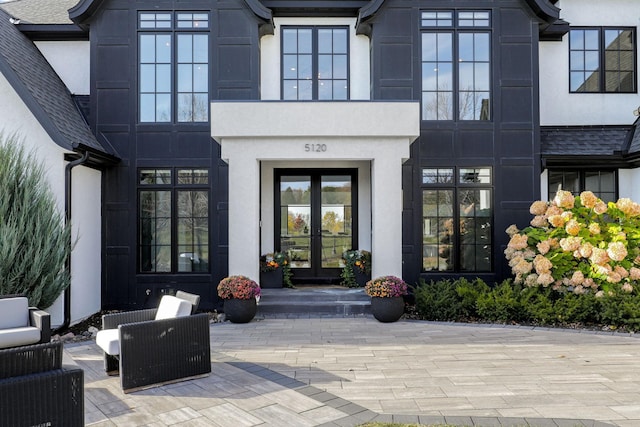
(313, 301)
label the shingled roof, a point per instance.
(40, 11)
(43, 92)
(595, 144)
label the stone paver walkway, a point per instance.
(345, 371)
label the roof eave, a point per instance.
(365, 14)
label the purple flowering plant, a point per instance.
(386, 287)
(238, 287)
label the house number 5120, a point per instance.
(315, 148)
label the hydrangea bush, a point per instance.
(579, 244)
(386, 287)
(238, 287)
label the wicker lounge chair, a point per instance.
(37, 390)
(22, 325)
(157, 346)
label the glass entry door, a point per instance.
(316, 213)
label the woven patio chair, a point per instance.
(157, 346)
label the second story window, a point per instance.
(456, 65)
(602, 60)
(173, 67)
(315, 63)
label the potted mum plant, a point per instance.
(357, 268)
(239, 294)
(275, 270)
(387, 297)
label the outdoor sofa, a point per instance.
(37, 390)
(157, 346)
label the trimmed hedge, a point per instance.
(462, 300)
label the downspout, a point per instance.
(67, 220)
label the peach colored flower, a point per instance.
(588, 199)
(515, 260)
(629, 207)
(570, 244)
(634, 273)
(553, 242)
(509, 253)
(564, 199)
(572, 228)
(599, 294)
(600, 207)
(613, 277)
(512, 229)
(579, 290)
(577, 278)
(627, 287)
(528, 253)
(531, 280)
(545, 279)
(518, 241)
(539, 221)
(594, 228)
(538, 207)
(553, 210)
(637, 260)
(599, 256)
(586, 249)
(589, 283)
(542, 264)
(556, 220)
(543, 247)
(617, 251)
(604, 270)
(523, 267)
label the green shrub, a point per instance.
(620, 309)
(449, 300)
(34, 241)
(502, 304)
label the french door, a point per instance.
(316, 217)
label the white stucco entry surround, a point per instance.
(378, 133)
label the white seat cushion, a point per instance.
(109, 341)
(171, 307)
(19, 336)
(15, 312)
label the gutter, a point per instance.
(67, 220)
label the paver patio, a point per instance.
(344, 371)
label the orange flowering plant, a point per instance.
(274, 261)
(357, 260)
(386, 287)
(579, 244)
(238, 287)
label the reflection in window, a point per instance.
(315, 63)
(173, 221)
(159, 64)
(601, 182)
(456, 66)
(602, 60)
(457, 220)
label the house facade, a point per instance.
(418, 130)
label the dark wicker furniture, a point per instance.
(37, 390)
(37, 320)
(156, 352)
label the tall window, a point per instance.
(315, 63)
(173, 220)
(457, 217)
(173, 66)
(601, 182)
(602, 60)
(456, 65)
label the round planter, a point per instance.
(240, 310)
(271, 279)
(387, 309)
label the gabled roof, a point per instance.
(633, 146)
(44, 93)
(40, 11)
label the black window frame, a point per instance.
(315, 61)
(173, 187)
(173, 29)
(582, 179)
(601, 81)
(453, 26)
(454, 184)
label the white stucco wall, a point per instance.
(374, 135)
(557, 105)
(629, 183)
(70, 60)
(15, 117)
(359, 57)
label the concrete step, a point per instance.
(315, 301)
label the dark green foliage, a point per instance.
(462, 300)
(34, 242)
